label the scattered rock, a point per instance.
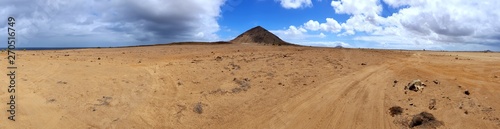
(104, 101)
(466, 92)
(98, 58)
(196, 61)
(424, 120)
(432, 104)
(243, 85)
(233, 66)
(415, 85)
(62, 82)
(395, 110)
(218, 58)
(363, 63)
(436, 82)
(51, 100)
(395, 82)
(495, 76)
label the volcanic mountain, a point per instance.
(259, 35)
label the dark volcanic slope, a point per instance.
(259, 35)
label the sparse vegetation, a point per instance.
(425, 120)
(198, 108)
(395, 110)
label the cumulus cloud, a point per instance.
(357, 7)
(292, 30)
(326, 44)
(148, 21)
(294, 34)
(455, 21)
(331, 25)
(294, 4)
(291, 33)
(423, 22)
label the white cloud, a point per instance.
(43, 22)
(294, 4)
(436, 24)
(331, 25)
(321, 35)
(291, 33)
(357, 7)
(312, 25)
(325, 43)
(295, 34)
(292, 30)
(361, 23)
(453, 21)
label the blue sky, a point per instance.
(386, 24)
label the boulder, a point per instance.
(415, 85)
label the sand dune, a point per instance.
(251, 86)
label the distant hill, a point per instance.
(259, 35)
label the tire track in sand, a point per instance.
(352, 101)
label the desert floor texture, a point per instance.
(229, 86)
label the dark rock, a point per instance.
(466, 92)
(218, 58)
(436, 82)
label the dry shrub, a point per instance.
(395, 110)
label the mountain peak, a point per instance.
(259, 35)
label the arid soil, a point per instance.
(229, 86)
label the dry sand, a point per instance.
(250, 86)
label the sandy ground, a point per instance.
(250, 86)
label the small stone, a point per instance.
(436, 82)
(363, 63)
(466, 92)
(432, 104)
(218, 58)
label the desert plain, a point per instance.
(229, 86)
